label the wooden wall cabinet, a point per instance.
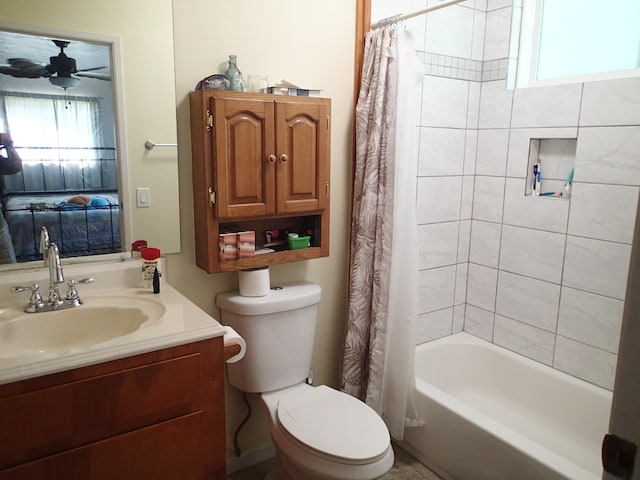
(260, 162)
(154, 415)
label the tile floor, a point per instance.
(405, 467)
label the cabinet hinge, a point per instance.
(209, 123)
(212, 197)
(328, 124)
(326, 189)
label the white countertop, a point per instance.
(182, 322)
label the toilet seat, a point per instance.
(333, 425)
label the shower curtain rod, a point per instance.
(422, 11)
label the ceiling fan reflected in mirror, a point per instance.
(61, 70)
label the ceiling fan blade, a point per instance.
(94, 75)
(89, 69)
(24, 68)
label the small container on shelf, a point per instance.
(296, 243)
(246, 244)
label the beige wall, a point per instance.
(312, 46)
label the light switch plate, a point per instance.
(143, 197)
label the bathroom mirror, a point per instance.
(135, 50)
(57, 104)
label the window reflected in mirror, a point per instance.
(57, 120)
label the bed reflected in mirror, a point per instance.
(56, 104)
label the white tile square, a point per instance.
(479, 29)
(608, 155)
(462, 274)
(591, 319)
(432, 191)
(473, 106)
(496, 40)
(466, 204)
(544, 213)
(470, 148)
(496, 4)
(478, 322)
(485, 243)
(458, 319)
(436, 288)
(596, 266)
(488, 198)
(437, 244)
(444, 102)
(495, 105)
(480, 5)
(491, 156)
(583, 361)
(605, 212)
(464, 239)
(524, 339)
(441, 151)
(556, 106)
(481, 286)
(530, 301)
(432, 325)
(449, 31)
(533, 253)
(611, 102)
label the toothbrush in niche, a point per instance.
(537, 178)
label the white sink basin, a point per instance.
(99, 320)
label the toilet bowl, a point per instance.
(321, 433)
(318, 432)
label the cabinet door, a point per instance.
(302, 147)
(244, 157)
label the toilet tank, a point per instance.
(278, 329)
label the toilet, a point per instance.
(318, 432)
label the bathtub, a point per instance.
(492, 414)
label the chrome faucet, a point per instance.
(55, 274)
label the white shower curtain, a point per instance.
(378, 364)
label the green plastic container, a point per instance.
(298, 242)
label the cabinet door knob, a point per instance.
(271, 159)
(284, 158)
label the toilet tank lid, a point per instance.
(280, 298)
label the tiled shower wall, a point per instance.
(544, 277)
(547, 276)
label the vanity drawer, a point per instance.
(96, 461)
(47, 421)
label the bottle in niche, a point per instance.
(234, 75)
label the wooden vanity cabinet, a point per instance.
(258, 159)
(157, 415)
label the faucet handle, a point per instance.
(73, 283)
(35, 299)
(72, 292)
(20, 289)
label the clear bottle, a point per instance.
(234, 75)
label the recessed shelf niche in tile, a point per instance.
(557, 157)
